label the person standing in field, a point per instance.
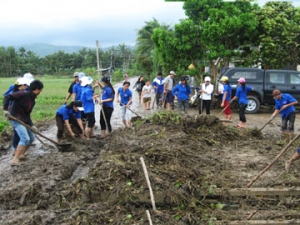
(146, 93)
(124, 97)
(107, 102)
(87, 100)
(285, 105)
(22, 104)
(226, 97)
(66, 115)
(241, 95)
(158, 86)
(70, 90)
(168, 86)
(206, 91)
(182, 93)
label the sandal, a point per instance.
(15, 163)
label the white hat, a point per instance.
(29, 76)
(81, 75)
(22, 81)
(86, 80)
(76, 74)
(207, 78)
(172, 72)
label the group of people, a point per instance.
(284, 105)
(19, 101)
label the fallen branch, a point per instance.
(273, 161)
(148, 183)
(149, 217)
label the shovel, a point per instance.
(131, 110)
(62, 147)
(268, 122)
(223, 110)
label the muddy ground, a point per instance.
(188, 158)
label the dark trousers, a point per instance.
(60, 123)
(204, 104)
(242, 109)
(291, 118)
(107, 113)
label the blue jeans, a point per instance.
(183, 105)
(25, 134)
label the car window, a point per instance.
(294, 78)
(277, 77)
(249, 75)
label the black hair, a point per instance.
(243, 86)
(226, 82)
(36, 84)
(159, 73)
(70, 106)
(16, 87)
(107, 81)
(126, 82)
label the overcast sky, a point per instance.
(71, 22)
(81, 23)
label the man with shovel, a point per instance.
(22, 105)
(284, 104)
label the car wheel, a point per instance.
(253, 105)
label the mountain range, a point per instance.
(42, 49)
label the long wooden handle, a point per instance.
(131, 110)
(223, 110)
(30, 128)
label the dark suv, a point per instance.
(263, 83)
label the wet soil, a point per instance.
(188, 158)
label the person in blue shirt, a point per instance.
(158, 87)
(87, 100)
(241, 95)
(226, 97)
(124, 97)
(284, 104)
(107, 102)
(182, 93)
(69, 114)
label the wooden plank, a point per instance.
(259, 222)
(295, 191)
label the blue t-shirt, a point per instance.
(159, 84)
(67, 113)
(242, 94)
(228, 89)
(87, 99)
(106, 94)
(9, 91)
(77, 89)
(125, 95)
(285, 99)
(183, 91)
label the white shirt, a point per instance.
(209, 88)
(147, 91)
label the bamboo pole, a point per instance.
(148, 182)
(273, 161)
(149, 217)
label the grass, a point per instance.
(51, 98)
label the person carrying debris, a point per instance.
(126, 100)
(226, 97)
(21, 108)
(66, 115)
(241, 95)
(182, 93)
(284, 104)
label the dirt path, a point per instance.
(101, 181)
